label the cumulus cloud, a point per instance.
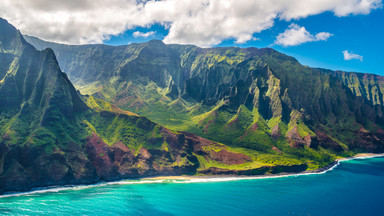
(245, 38)
(349, 56)
(199, 22)
(296, 35)
(142, 34)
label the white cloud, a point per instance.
(142, 34)
(349, 56)
(322, 36)
(296, 35)
(245, 38)
(199, 22)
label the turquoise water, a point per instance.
(354, 187)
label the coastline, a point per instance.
(362, 156)
(192, 179)
(235, 177)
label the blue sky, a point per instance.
(335, 34)
(359, 34)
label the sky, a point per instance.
(335, 34)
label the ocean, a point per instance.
(354, 187)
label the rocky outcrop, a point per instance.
(368, 86)
(119, 161)
(32, 166)
(326, 142)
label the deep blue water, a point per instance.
(355, 187)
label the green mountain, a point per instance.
(368, 86)
(51, 135)
(258, 99)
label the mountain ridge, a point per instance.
(243, 112)
(207, 91)
(51, 135)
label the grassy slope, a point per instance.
(225, 126)
(116, 126)
(292, 102)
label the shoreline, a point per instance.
(192, 179)
(307, 172)
(361, 156)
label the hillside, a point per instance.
(52, 135)
(259, 99)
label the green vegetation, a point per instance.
(257, 99)
(217, 110)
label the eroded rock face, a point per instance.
(95, 160)
(119, 161)
(217, 151)
(98, 153)
(326, 142)
(370, 142)
(37, 166)
(230, 158)
(123, 158)
(33, 166)
(297, 141)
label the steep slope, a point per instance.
(368, 86)
(255, 98)
(50, 135)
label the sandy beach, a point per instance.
(361, 155)
(173, 178)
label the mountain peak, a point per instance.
(156, 42)
(32, 76)
(7, 33)
(4, 22)
(11, 39)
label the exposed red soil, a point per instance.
(275, 132)
(98, 153)
(230, 158)
(253, 128)
(296, 141)
(326, 142)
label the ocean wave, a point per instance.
(79, 187)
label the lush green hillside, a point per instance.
(51, 135)
(368, 86)
(71, 58)
(259, 99)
